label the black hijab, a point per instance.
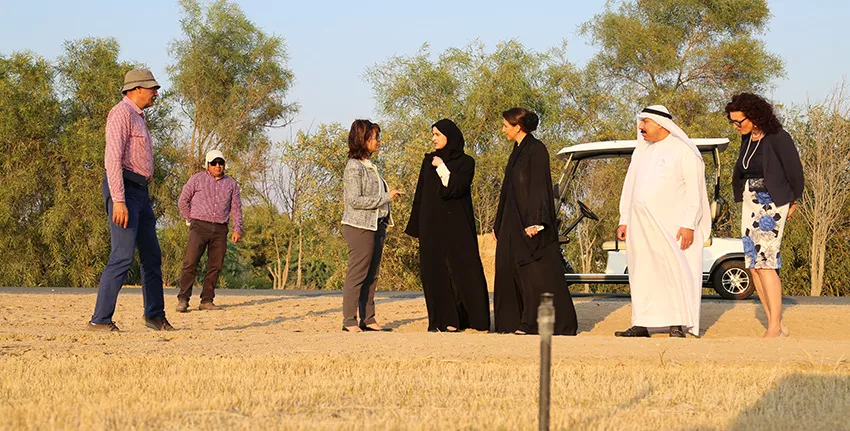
(454, 140)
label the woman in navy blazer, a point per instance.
(768, 181)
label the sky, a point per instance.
(331, 43)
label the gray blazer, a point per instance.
(365, 192)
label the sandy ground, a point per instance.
(278, 360)
(290, 322)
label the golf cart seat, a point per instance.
(621, 245)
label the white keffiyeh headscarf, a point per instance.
(661, 115)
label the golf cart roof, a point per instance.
(600, 150)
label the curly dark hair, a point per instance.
(361, 132)
(756, 109)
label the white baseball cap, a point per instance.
(215, 154)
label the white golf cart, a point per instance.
(723, 258)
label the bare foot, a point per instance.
(351, 329)
(773, 333)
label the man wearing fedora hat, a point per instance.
(208, 200)
(132, 224)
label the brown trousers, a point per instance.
(365, 248)
(212, 237)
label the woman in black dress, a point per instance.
(528, 255)
(443, 220)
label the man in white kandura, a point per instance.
(664, 219)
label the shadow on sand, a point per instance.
(800, 401)
(282, 319)
(593, 312)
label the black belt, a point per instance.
(134, 180)
(208, 222)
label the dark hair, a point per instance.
(756, 109)
(527, 120)
(361, 131)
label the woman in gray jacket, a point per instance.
(365, 218)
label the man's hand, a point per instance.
(235, 237)
(531, 231)
(791, 209)
(394, 193)
(120, 215)
(621, 232)
(686, 236)
(436, 161)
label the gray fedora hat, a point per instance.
(139, 78)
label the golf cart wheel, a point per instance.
(732, 281)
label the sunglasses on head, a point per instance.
(217, 162)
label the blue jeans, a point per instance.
(140, 233)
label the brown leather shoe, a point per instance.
(372, 327)
(208, 306)
(159, 323)
(182, 306)
(102, 327)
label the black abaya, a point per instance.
(450, 265)
(527, 267)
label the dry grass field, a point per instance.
(280, 362)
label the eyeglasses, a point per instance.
(738, 123)
(217, 162)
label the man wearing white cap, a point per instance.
(209, 199)
(128, 161)
(664, 219)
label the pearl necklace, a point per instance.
(746, 161)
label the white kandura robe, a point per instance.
(665, 190)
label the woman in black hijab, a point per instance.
(528, 255)
(442, 218)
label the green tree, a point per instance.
(29, 122)
(690, 55)
(473, 87)
(325, 252)
(230, 79)
(298, 212)
(53, 120)
(75, 227)
(470, 86)
(824, 139)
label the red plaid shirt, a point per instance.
(213, 200)
(128, 146)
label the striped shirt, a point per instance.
(128, 146)
(205, 198)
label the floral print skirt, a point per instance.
(762, 224)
